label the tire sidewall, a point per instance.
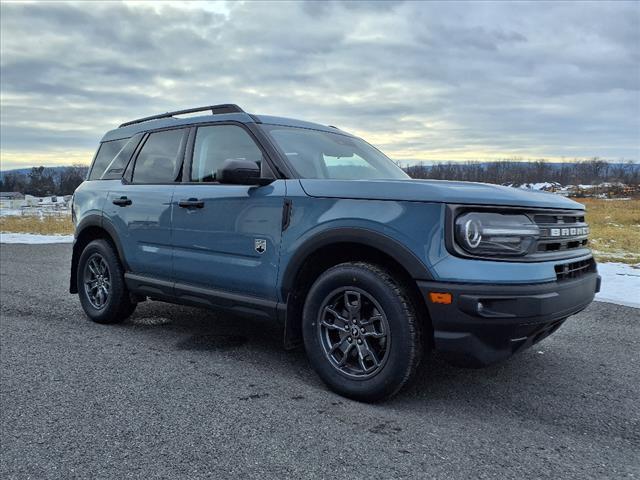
(109, 313)
(398, 362)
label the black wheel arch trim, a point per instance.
(90, 221)
(370, 238)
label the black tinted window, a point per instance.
(217, 143)
(158, 159)
(119, 163)
(106, 153)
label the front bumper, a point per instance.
(484, 323)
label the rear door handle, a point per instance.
(122, 202)
(191, 203)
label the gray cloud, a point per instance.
(419, 79)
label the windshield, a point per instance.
(319, 154)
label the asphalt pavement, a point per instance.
(177, 392)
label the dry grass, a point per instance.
(615, 228)
(45, 225)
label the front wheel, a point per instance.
(361, 331)
(101, 287)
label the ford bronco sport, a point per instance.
(314, 227)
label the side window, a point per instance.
(116, 167)
(106, 153)
(158, 161)
(216, 143)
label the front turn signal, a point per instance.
(438, 297)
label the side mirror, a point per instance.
(241, 172)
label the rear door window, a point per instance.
(106, 153)
(159, 159)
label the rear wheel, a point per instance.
(101, 287)
(361, 331)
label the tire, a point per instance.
(113, 304)
(377, 364)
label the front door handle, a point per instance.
(122, 202)
(191, 203)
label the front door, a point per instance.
(226, 237)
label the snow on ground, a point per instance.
(540, 186)
(34, 239)
(10, 212)
(38, 211)
(620, 284)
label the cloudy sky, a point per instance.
(419, 80)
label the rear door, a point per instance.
(226, 237)
(140, 207)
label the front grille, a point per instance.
(561, 232)
(558, 219)
(572, 270)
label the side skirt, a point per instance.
(196, 296)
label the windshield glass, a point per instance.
(318, 154)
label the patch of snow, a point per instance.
(8, 212)
(41, 210)
(34, 239)
(620, 284)
(544, 186)
(613, 253)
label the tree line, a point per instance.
(587, 172)
(43, 181)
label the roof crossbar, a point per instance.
(215, 110)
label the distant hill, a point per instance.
(553, 165)
(44, 181)
(26, 171)
(507, 172)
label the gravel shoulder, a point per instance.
(177, 392)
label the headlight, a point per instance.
(495, 234)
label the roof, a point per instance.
(241, 117)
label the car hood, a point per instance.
(442, 191)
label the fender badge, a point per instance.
(260, 245)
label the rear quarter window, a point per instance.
(115, 170)
(106, 153)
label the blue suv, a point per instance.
(311, 226)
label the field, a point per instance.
(40, 224)
(615, 227)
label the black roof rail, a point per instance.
(215, 110)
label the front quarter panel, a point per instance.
(416, 227)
